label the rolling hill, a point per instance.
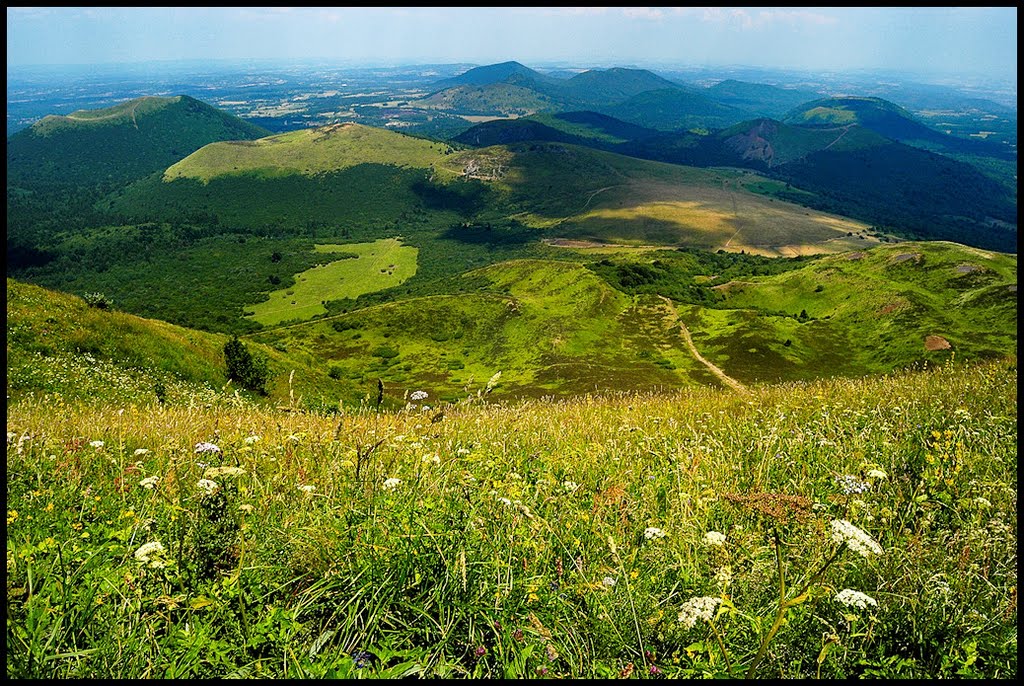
(557, 190)
(671, 109)
(58, 168)
(557, 328)
(58, 346)
(759, 99)
(120, 143)
(491, 74)
(889, 120)
(492, 99)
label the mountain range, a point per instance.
(563, 247)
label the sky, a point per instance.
(929, 40)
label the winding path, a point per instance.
(685, 333)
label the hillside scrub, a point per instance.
(843, 528)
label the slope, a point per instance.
(849, 314)
(119, 143)
(59, 346)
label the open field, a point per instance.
(666, 535)
(363, 268)
(308, 151)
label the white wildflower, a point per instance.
(860, 542)
(877, 474)
(249, 440)
(701, 608)
(851, 485)
(608, 582)
(245, 507)
(570, 486)
(418, 395)
(431, 458)
(506, 502)
(462, 451)
(392, 483)
(150, 482)
(715, 538)
(653, 532)
(852, 598)
(204, 447)
(151, 554)
(983, 502)
(141, 451)
(96, 444)
(492, 382)
(229, 472)
(306, 488)
(210, 487)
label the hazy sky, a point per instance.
(943, 40)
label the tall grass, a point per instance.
(567, 539)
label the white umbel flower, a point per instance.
(852, 598)
(151, 554)
(715, 538)
(392, 483)
(653, 532)
(700, 608)
(858, 541)
(150, 482)
(229, 472)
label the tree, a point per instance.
(250, 371)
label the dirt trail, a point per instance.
(735, 210)
(599, 190)
(115, 115)
(685, 333)
(845, 131)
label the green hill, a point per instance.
(548, 187)
(580, 128)
(308, 152)
(492, 99)
(491, 74)
(59, 167)
(857, 172)
(889, 120)
(758, 98)
(120, 143)
(604, 86)
(850, 314)
(59, 346)
(557, 328)
(671, 109)
(550, 328)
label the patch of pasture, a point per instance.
(376, 266)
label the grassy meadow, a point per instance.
(360, 268)
(835, 529)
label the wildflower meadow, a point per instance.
(844, 528)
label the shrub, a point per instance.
(385, 352)
(250, 371)
(98, 300)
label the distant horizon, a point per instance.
(942, 42)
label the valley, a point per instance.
(386, 355)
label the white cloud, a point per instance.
(741, 18)
(643, 13)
